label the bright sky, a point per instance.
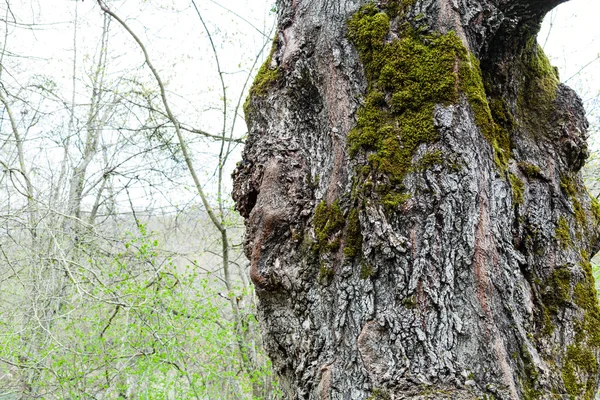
(570, 36)
(179, 47)
(41, 45)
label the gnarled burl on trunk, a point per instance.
(417, 225)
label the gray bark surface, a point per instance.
(478, 284)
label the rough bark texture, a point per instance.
(416, 222)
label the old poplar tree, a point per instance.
(416, 221)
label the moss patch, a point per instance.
(541, 78)
(428, 160)
(535, 102)
(353, 242)
(410, 302)
(518, 188)
(497, 136)
(379, 394)
(580, 368)
(328, 222)
(559, 291)
(264, 79)
(568, 186)
(529, 380)
(556, 295)
(562, 233)
(580, 360)
(366, 271)
(407, 77)
(595, 204)
(585, 296)
(579, 364)
(531, 171)
(325, 274)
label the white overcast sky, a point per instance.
(570, 36)
(179, 47)
(41, 43)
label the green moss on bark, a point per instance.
(497, 136)
(541, 77)
(556, 294)
(379, 394)
(568, 186)
(353, 242)
(580, 367)
(428, 160)
(406, 78)
(328, 222)
(326, 274)
(531, 171)
(595, 204)
(559, 291)
(410, 302)
(585, 296)
(366, 271)
(264, 79)
(529, 380)
(535, 102)
(518, 188)
(580, 360)
(563, 234)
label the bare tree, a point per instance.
(96, 303)
(245, 337)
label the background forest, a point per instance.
(121, 268)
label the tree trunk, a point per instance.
(416, 222)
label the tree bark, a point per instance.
(416, 221)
